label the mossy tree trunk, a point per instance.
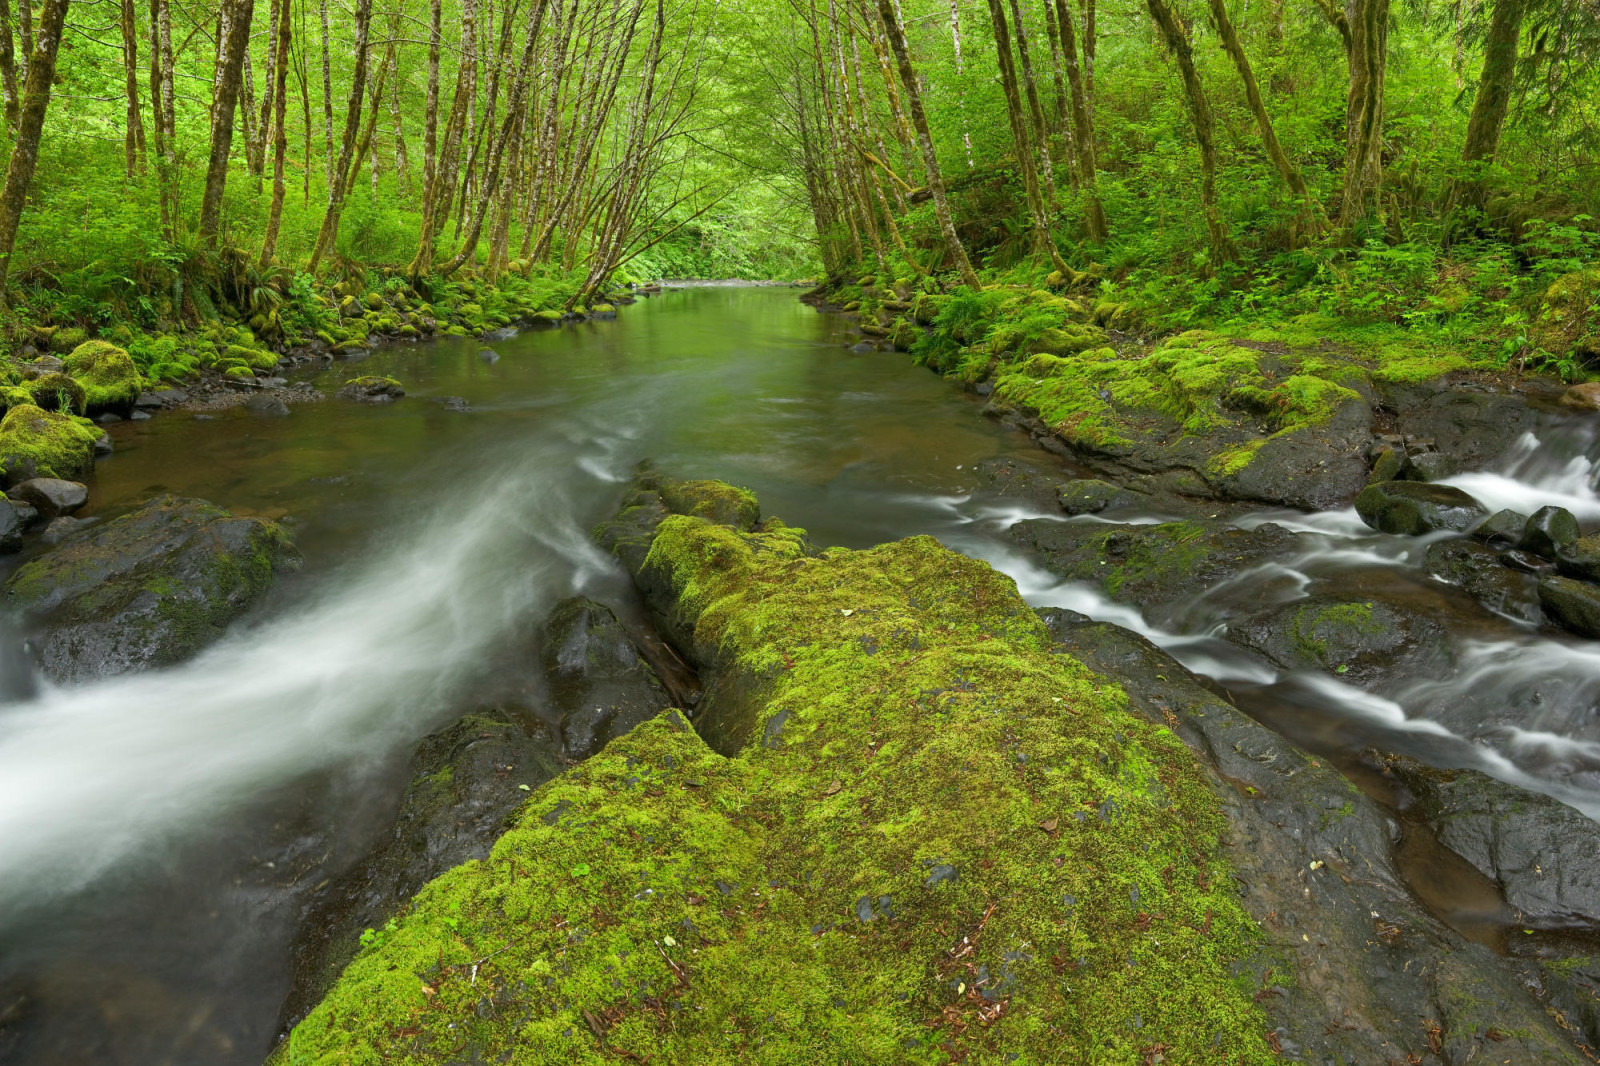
(8, 67)
(280, 131)
(1082, 125)
(441, 194)
(1363, 26)
(352, 124)
(1493, 97)
(919, 120)
(133, 133)
(1043, 241)
(1176, 37)
(234, 40)
(30, 123)
(1047, 169)
(163, 113)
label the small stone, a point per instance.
(109, 418)
(1573, 605)
(1431, 466)
(1581, 558)
(140, 416)
(1585, 397)
(267, 406)
(488, 355)
(1548, 530)
(1525, 561)
(51, 496)
(455, 403)
(60, 529)
(1502, 529)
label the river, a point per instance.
(158, 831)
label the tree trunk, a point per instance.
(1177, 41)
(961, 91)
(1082, 125)
(133, 135)
(1047, 169)
(8, 67)
(1367, 47)
(402, 164)
(1043, 241)
(435, 207)
(25, 34)
(225, 99)
(1056, 72)
(258, 163)
(327, 96)
(1230, 42)
(163, 113)
(919, 119)
(25, 149)
(280, 131)
(352, 124)
(430, 107)
(1493, 98)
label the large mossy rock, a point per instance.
(598, 683)
(147, 589)
(107, 374)
(1366, 642)
(38, 443)
(1572, 604)
(919, 833)
(1414, 508)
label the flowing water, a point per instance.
(157, 832)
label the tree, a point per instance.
(1176, 37)
(30, 124)
(233, 40)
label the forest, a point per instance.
(1430, 167)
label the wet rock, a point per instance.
(488, 355)
(1477, 570)
(1584, 397)
(1019, 480)
(1581, 558)
(13, 520)
(1526, 561)
(161, 398)
(267, 406)
(1365, 642)
(61, 529)
(1430, 466)
(51, 497)
(1093, 496)
(1150, 565)
(454, 403)
(1549, 530)
(1313, 858)
(597, 680)
(37, 443)
(139, 416)
(863, 347)
(1502, 529)
(1388, 461)
(146, 589)
(1544, 855)
(1414, 508)
(108, 418)
(1467, 429)
(371, 389)
(465, 782)
(1573, 605)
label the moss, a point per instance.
(107, 373)
(715, 501)
(372, 381)
(1232, 460)
(944, 842)
(239, 373)
(66, 339)
(57, 392)
(255, 358)
(39, 443)
(1332, 635)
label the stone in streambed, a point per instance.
(1502, 529)
(147, 589)
(597, 680)
(38, 443)
(1581, 558)
(1544, 855)
(1365, 642)
(1415, 507)
(14, 518)
(62, 528)
(1091, 496)
(267, 406)
(1573, 605)
(51, 497)
(1477, 570)
(372, 389)
(1584, 397)
(1548, 531)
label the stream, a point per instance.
(157, 829)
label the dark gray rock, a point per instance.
(1526, 561)
(1573, 605)
(1015, 479)
(597, 680)
(139, 416)
(1477, 570)
(1430, 466)
(266, 406)
(375, 390)
(1581, 558)
(1503, 529)
(454, 403)
(1316, 468)
(102, 446)
(13, 520)
(61, 529)
(1367, 642)
(488, 355)
(466, 782)
(1549, 530)
(1544, 855)
(52, 497)
(1092, 496)
(1466, 429)
(146, 589)
(1415, 508)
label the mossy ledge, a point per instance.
(935, 837)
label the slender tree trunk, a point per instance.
(1082, 125)
(919, 119)
(25, 34)
(1090, 39)
(1043, 241)
(402, 165)
(961, 91)
(224, 101)
(1177, 41)
(1054, 33)
(133, 135)
(1368, 22)
(436, 205)
(1493, 97)
(1275, 152)
(279, 9)
(280, 131)
(8, 67)
(327, 96)
(352, 124)
(430, 107)
(1047, 170)
(163, 114)
(25, 149)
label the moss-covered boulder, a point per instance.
(59, 392)
(371, 388)
(38, 443)
(67, 338)
(110, 379)
(1367, 642)
(1567, 324)
(918, 833)
(1416, 507)
(146, 589)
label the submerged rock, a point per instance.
(1366, 642)
(1414, 508)
(267, 406)
(1478, 571)
(465, 783)
(598, 682)
(1093, 496)
(147, 589)
(51, 497)
(372, 389)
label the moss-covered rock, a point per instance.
(38, 443)
(372, 388)
(67, 338)
(108, 375)
(919, 834)
(58, 392)
(146, 589)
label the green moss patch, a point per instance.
(38, 443)
(935, 839)
(107, 374)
